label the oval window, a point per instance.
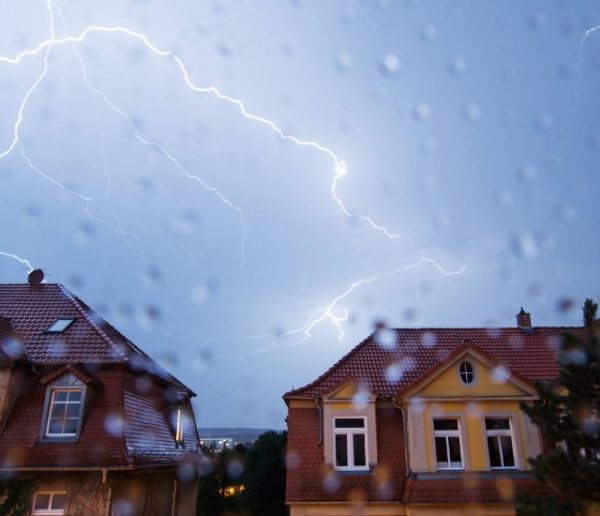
(467, 372)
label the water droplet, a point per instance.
(457, 67)
(151, 276)
(535, 290)
(428, 339)
(537, 20)
(504, 198)
(85, 233)
(500, 374)
(566, 304)
(471, 112)
(235, 468)
(543, 123)
(421, 112)
(429, 32)
(343, 62)
(593, 141)
(386, 338)
(566, 212)
(524, 246)
(187, 224)
(526, 173)
(389, 65)
(428, 146)
(114, 424)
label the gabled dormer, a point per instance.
(349, 427)
(464, 415)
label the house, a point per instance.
(421, 421)
(89, 424)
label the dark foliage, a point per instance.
(568, 415)
(261, 472)
(15, 497)
(264, 476)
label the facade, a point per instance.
(89, 423)
(421, 421)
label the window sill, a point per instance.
(351, 472)
(58, 440)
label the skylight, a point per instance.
(60, 325)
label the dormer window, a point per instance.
(64, 408)
(467, 372)
(60, 325)
(350, 443)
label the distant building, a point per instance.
(86, 417)
(218, 443)
(421, 422)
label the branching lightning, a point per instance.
(340, 169)
(328, 312)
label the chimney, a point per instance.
(523, 319)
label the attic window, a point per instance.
(60, 325)
(467, 372)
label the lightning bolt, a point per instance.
(327, 313)
(23, 261)
(339, 166)
(585, 36)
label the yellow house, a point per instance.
(419, 422)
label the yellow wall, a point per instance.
(489, 395)
(485, 383)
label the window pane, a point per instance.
(455, 457)
(341, 450)
(74, 395)
(497, 424)
(60, 395)
(441, 454)
(350, 423)
(58, 410)
(73, 410)
(494, 452)
(360, 453)
(58, 500)
(507, 451)
(71, 426)
(42, 501)
(56, 426)
(445, 424)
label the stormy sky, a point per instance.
(244, 188)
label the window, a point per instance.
(448, 451)
(350, 443)
(64, 413)
(500, 443)
(179, 428)
(49, 503)
(467, 372)
(60, 325)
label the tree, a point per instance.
(568, 415)
(217, 491)
(264, 476)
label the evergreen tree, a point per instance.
(264, 475)
(568, 415)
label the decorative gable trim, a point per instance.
(68, 370)
(467, 349)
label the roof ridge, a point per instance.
(76, 303)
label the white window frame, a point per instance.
(53, 391)
(179, 427)
(472, 373)
(497, 433)
(446, 434)
(48, 511)
(350, 433)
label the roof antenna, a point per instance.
(35, 277)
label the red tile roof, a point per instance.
(388, 361)
(126, 421)
(32, 309)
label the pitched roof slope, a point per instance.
(32, 309)
(389, 360)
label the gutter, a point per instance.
(405, 424)
(319, 406)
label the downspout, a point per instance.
(174, 499)
(405, 432)
(319, 406)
